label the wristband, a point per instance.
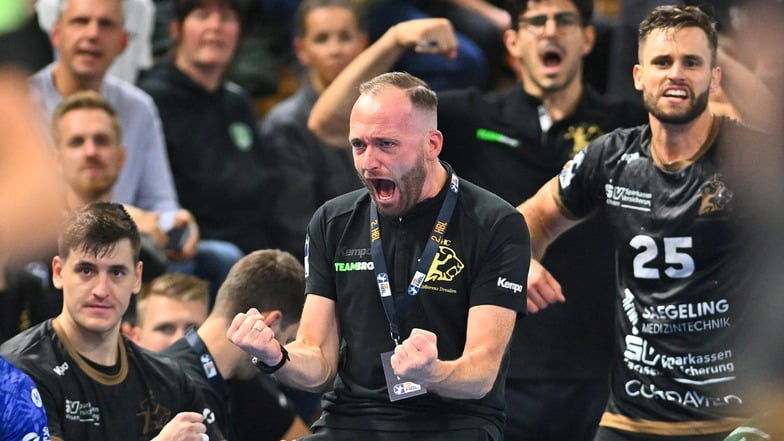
(267, 369)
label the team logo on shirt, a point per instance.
(242, 136)
(446, 265)
(405, 388)
(582, 136)
(154, 415)
(35, 397)
(715, 196)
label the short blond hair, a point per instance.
(85, 99)
(177, 286)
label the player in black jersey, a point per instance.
(673, 200)
(94, 383)
(247, 405)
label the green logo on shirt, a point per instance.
(493, 136)
(343, 267)
(241, 135)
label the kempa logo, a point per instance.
(353, 252)
(342, 267)
(515, 287)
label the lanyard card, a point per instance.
(397, 387)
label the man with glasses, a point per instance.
(511, 142)
(536, 24)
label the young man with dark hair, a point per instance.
(94, 383)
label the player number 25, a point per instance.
(679, 265)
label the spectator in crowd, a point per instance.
(329, 118)
(329, 36)
(247, 405)
(139, 18)
(89, 35)
(222, 173)
(95, 384)
(167, 307)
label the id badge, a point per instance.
(397, 387)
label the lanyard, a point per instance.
(210, 370)
(395, 315)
